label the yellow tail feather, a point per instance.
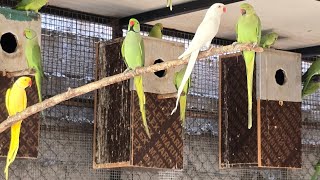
(183, 104)
(14, 146)
(249, 60)
(142, 102)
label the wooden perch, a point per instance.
(115, 79)
(23, 72)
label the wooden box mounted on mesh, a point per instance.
(12, 58)
(275, 137)
(119, 136)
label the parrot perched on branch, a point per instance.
(183, 98)
(206, 31)
(248, 31)
(16, 101)
(156, 31)
(310, 79)
(133, 53)
(169, 3)
(31, 5)
(317, 172)
(33, 56)
(268, 40)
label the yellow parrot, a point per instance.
(16, 101)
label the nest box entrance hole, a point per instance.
(280, 77)
(161, 73)
(8, 42)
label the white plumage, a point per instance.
(206, 31)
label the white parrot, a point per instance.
(206, 31)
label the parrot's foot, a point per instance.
(254, 45)
(234, 44)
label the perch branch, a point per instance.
(169, 95)
(23, 72)
(70, 93)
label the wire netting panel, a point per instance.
(65, 151)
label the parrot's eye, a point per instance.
(219, 6)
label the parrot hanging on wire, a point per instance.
(206, 31)
(33, 56)
(310, 79)
(249, 31)
(156, 31)
(268, 40)
(169, 3)
(16, 101)
(317, 172)
(133, 53)
(31, 5)
(183, 98)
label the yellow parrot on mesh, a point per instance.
(16, 101)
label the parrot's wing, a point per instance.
(7, 100)
(25, 101)
(258, 30)
(23, 3)
(122, 48)
(36, 53)
(189, 83)
(141, 45)
(237, 29)
(175, 80)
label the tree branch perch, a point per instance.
(115, 79)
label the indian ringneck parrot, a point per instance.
(249, 31)
(169, 3)
(206, 31)
(16, 101)
(33, 55)
(312, 87)
(311, 77)
(31, 5)
(183, 98)
(268, 40)
(317, 172)
(133, 53)
(156, 31)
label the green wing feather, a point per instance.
(183, 98)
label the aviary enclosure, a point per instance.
(65, 144)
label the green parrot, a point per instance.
(169, 3)
(317, 172)
(249, 31)
(311, 76)
(183, 99)
(268, 40)
(31, 5)
(33, 55)
(312, 87)
(133, 53)
(156, 31)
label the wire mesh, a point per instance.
(65, 152)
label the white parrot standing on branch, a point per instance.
(206, 31)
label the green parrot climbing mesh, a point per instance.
(66, 137)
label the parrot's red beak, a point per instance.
(224, 9)
(30, 83)
(131, 23)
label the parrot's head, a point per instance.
(159, 25)
(274, 35)
(134, 25)
(24, 82)
(217, 9)
(29, 33)
(246, 8)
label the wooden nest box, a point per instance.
(119, 136)
(12, 58)
(275, 137)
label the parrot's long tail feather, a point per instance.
(38, 77)
(14, 146)
(183, 105)
(249, 60)
(142, 102)
(192, 61)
